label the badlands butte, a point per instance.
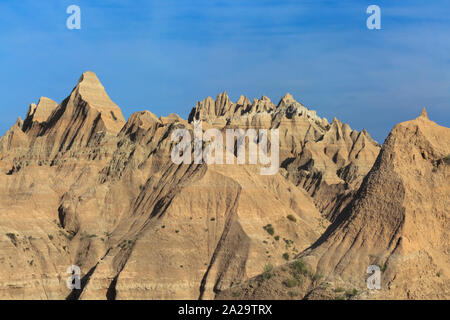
(80, 185)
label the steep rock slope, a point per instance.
(81, 186)
(398, 220)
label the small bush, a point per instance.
(268, 272)
(351, 293)
(316, 277)
(277, 237)
(286, 256)
(293, 294)
(237, 293)
(290, 283)
(270, 230)
(447, 159)
(13, 238)
(292, 218)
(339, 289)
(299, 269)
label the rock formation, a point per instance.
(398, 221)
(82, 186)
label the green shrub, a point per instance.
(268, 272)
(270, 230)
(290, 283)
(339, 289)
(292, 218)
(13, 238)
(286, 256)
(277, 237)
(293, 294)
(299, 269)
(447, 159)
(351, 293)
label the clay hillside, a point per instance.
(398, 220)
(80, 185)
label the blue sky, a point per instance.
(164, 55)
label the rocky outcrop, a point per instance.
(80, 186)
(327, 160)
(398, 221)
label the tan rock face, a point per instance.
(398, 220)
(329, 161)
(81, 186)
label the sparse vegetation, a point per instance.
(316, 277)
(85, 235)
(176, 231)
(293, 294)
(277, 237)
(339, 289)
(286, 256)
(290, 283)
(447, 159)
(351, 293)
(383, 267)
(237, 293)
(292, 218)
(13, 238)
(270, 230)
(126, 244)
(50, 236)
(213, 219)
(268, 272)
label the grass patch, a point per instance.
(351, 293)
(268, 272)
(291, 283)
(237, 293)
(339, 289)
(299, 268)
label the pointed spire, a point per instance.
(424, 114)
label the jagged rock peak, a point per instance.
(92, 91)
(424, 114)
(40, 112)
(287, 98)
